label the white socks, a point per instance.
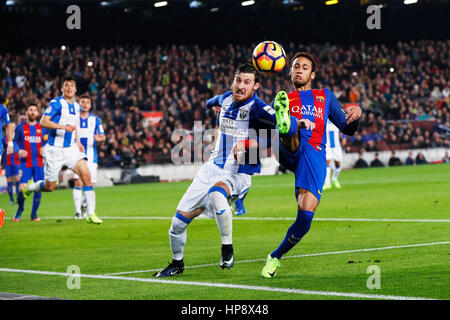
(336, 172)
(89, 193)
(223, 215)
(177, 235)
(37, 186)
(328, 178)
(77, 195)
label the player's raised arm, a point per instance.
(347, 123)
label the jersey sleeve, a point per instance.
(5, 116)
(98, 126)
(265, 114)
(338, 116)
(217, 100)
(52, 109)
(18, 138)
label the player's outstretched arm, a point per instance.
(348, 122)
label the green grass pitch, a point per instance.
(322, 263)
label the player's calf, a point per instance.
(218, 197)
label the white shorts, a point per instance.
(335, 154)
(92, 170)
(57, 157)
(196, 195)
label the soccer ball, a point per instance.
(269, 56)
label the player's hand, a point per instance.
(240, 146)
(306, 124)
(81, 147)
(23, 153)
(41, 151)
(216, 110)
(10, 150)
(353, 114)
(69, 128)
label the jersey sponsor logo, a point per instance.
(228, 126)
(308, 110)
(33, 139)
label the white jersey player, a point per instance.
(225, 175)
(62, 117)
(90, 132)
(335, 154)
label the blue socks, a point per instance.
(36, 202)
(295, 233)
(10, 191)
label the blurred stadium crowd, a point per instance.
(403, 89)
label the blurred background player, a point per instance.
(9, 128)
(90, 132)
(11, 164)
(333, 154)
(239, 206)
(223, 176)
(4, 121)
(303, 152)
(29, 141)
(62, 118)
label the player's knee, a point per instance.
(217, 192)
(179, 224)
(78, 183)
(50, 186)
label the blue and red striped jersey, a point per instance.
(30, 138)
(319, 105)
(10, 159)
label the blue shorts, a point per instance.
(12, 170)
(309, 166)
(28, 173)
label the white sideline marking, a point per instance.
(222, 285)
(259, 219)
(298, 256)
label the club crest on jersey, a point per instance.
(243, 114)
(320, 98)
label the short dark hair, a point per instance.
(68, 78)
(248, 68)
(86, 96)
(32, 104)
(308, 56)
